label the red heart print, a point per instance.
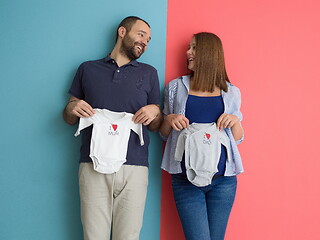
(207, 135)
(114, 126)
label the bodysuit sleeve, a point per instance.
(84, 123)
(137, 128)
(180, 145)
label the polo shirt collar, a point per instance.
(133, 62)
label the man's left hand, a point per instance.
(146, 114)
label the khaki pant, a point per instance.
(112, 201)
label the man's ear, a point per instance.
(122, 31)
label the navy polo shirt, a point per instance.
(103, 84)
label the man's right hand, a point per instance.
(79, 108)
(75, 109)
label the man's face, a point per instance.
(135, 42)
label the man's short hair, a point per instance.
(128, 22)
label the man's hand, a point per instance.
(80, 108)
(146, 114)
(75, 109)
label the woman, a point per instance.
(205, 97)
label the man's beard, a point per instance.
(128, 48)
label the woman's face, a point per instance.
(191, 54)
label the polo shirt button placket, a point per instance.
(116, 75)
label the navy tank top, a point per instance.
(206, 110)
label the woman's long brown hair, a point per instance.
(209, 69)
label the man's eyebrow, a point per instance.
(144, 33)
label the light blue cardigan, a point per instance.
(175, 98)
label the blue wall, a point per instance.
(42, 43)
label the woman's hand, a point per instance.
(177, 121)
(231, 121)
(227, 121)
(173, 121)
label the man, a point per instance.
(115, 202)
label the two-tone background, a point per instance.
(272, 54)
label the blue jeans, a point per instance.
(204, 211)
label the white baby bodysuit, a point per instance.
(201, 143)
(109, 140)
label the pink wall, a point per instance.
(272, 50)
